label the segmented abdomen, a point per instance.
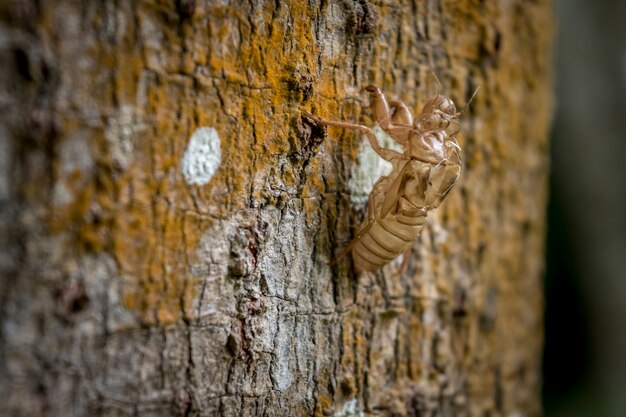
(384, 240)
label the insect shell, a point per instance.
(422, 176)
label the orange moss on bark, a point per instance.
(230, 279)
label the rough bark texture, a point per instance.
(137, 283)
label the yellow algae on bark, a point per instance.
(153, 277)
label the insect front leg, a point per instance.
(380, 107)
(386, 154)
(401, 114)
(398, 124)
(441, 180)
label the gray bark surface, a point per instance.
(143, 274)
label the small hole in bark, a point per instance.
(347, 387)
(186, 8)
(497, 42)
(361, 17)
(22, 64)
(232, 345)
(459, 309)
(310, 135)
(72, 299)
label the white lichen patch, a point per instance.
(369, 167)
(211, 269)
(75, 162)
(202, 157)
(282, 371)
(102, 283)
(350, 409)
(121, 132)
(61, 194)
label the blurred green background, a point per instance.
(585, 347)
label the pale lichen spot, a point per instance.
(76, 164)
(369, 167)
(350, 409)
(440, 234)
(282, 369)
(62, 194)
(202, 157)
(121, 133)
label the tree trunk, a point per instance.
(168, 216)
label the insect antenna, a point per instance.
(439, 85)
(468, 103)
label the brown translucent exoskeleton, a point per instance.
(422, 176)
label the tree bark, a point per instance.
(168, 216)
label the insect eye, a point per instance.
(447, 106)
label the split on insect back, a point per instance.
(422, 176)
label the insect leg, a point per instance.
(401, 114)
(380, 107)
(386, 154)
(396, 124)
(441, 179)
(394, 191)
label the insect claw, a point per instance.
(371, 88)
(442, 162)
(455, 145)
